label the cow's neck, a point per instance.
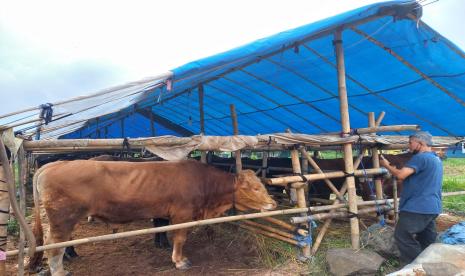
(218, 204)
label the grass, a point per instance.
(454, 180)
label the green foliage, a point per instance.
(13, 227)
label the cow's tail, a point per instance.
(36, 260)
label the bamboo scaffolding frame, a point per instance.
(375, 158)
(182, 226)
(269, 234)
(339, 214)
(327, 223)
(12, 198)
(370, 130)
(162, 229)
(264, 143)
(283, 181)
(315, 166)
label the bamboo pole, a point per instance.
(268, 234)
(394, 196)
(368, 130)
(163, 229)
(338, 214)
(380, 118)
(264, 163)
(8, 196)
(317, 168)
(249, 166)
(269, 229)
(300, 194)
(345, 123)
(283, 181)
(375, 158)
(264, 143)
(22, 168)
(237, 153)
(304, 161)
(4, 214)
(280, 223)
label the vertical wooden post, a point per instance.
(301, 203)
(203, 154)
(236, 132)
(394, 196)
(152, 122)
(5, 212)
(304, 162)
(375, 158)
(22, 169)
(264, 163)
(345, 122)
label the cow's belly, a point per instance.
(127, 212)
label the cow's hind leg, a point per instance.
(55, 256)
(62, 222)
(179, 238)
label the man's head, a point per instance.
(420, 141)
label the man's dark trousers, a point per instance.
(414, 232)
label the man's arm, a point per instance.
(401, 174)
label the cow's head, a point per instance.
(251, 194)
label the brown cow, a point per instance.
(124, 191)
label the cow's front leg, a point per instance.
(179, 238)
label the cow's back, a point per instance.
(124, 191)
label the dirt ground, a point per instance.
(213, 250)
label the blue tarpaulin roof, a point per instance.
(394, 63)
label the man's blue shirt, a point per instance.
(421, 192)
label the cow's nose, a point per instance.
(270, 206)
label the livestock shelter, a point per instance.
(317, 86)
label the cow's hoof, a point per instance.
(70, 254)
(184, 265)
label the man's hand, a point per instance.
(383, 161)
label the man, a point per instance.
(420, 201)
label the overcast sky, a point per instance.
(55, 50)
